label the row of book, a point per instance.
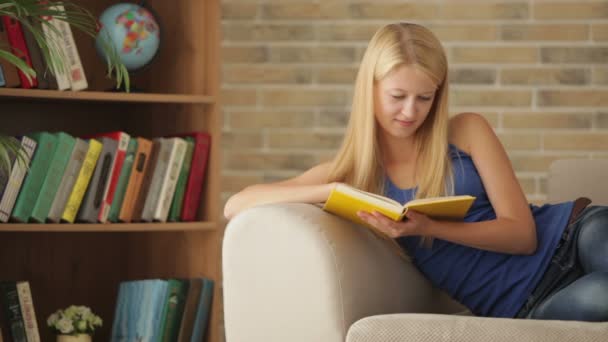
(59, 36)
(107, 177)
(154, 310)
(162, 310)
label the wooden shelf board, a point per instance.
(104, 96)
(106, 227)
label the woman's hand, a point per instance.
(416, 223)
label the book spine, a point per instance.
(202, 312)
(67, 181)
(180, 187)
(167, 190)
(160, 169)
(27, 311)
(198, 171)
(19, 49)
(11, 77)
(65, 146)
(2, 80)
(93, 197)
(36, 55)
(12, 310)
(32, 184)
(52, 34)
(78, 80)
(121, 187)
(134, 186)
(114, 173)
(147, 177)
(82, 182)
(16, 179)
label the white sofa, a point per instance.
(292, 272)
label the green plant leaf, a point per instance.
(32, 15)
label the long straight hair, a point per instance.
(359, 159)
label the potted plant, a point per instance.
(28, 12)
(74, 324)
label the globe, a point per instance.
(133, 31)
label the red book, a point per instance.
(19, 48)
(194, 185)
(115, 169)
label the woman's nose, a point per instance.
(409, 108)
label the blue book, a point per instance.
(202, 312)
(2, 80)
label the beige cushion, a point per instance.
(444, 328)
(572, 178)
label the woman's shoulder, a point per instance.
(465, 128)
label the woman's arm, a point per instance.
(309, 187)
(513, 231)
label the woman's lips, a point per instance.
(404, 123)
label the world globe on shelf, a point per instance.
(133, 31)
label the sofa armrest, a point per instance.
(292, 272)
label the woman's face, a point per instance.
(402, 101)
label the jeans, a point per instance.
(575, 285)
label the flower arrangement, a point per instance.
(74, 320)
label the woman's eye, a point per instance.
(398, 97)
(423, 98)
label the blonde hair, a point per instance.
(359, 159)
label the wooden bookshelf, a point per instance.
(83, 264)
(109, 227)
(101, 96)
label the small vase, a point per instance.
(74, 338)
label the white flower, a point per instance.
(65, 325)
(83, 311)
(52, 320)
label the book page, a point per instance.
(378, 200)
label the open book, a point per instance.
(345, 201)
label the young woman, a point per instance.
(508, 258)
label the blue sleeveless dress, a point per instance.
(488, 283)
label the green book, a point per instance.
(173, 310)
(123, 181)
(28, 195)
(50, 185)
(180, 189)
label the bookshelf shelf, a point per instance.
(104, 96)
(110, 227)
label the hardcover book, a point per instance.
(19, 48)
(82, 181)
(164, 179)
(196, 178)
(121, 140)
(139, 170)
(68, 180)
(346, 201)
(90, 209)
(28, 195)
(123, 180)
(52, 180)
(15, 180)
(9, 71)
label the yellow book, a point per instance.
(82, 182)
(346, 201)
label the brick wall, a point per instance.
(538, 70)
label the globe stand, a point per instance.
(123, 89)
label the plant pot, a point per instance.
(74, 338)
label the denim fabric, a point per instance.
(575, 285)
